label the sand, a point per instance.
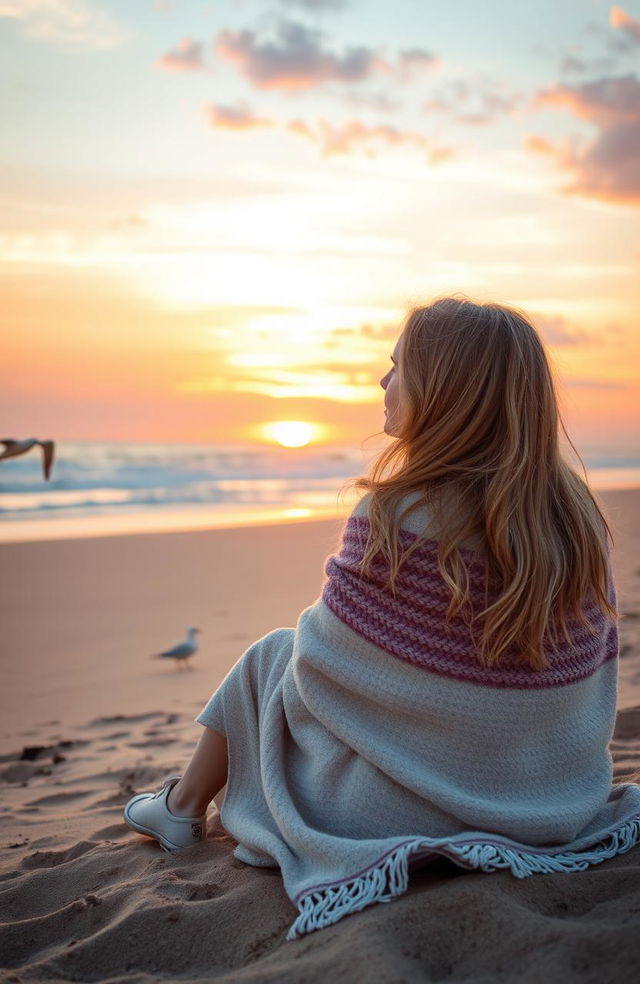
(88, 718)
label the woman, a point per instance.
(453, 690)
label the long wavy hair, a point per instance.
(478, 426)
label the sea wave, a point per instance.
(92, 479)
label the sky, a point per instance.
(215, 216)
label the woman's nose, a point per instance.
(384, 381)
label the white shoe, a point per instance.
(148, 813)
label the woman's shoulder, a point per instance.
(419, 520)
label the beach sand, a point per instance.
(88, 718)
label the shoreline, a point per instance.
(167, 520)
(194, 520)
(149, 524)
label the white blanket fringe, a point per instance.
(390, 878)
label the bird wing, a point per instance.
(13, 448)
(180, 651)
(47, 457)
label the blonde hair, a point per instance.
(478, 421)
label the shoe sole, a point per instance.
(165, 844)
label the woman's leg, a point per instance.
(203, 778)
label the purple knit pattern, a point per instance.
(411, 625)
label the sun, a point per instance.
(290, 433)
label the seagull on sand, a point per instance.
(183, 650)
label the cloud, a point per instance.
(355, 136)
(187, 57)
(234, 118)
(76, 22)
(572, 65)
(474, 102)
(606, 101)
(555, 330)
(414, 60)
(596, 384)
(607, 167)
(296, 60)
(630, 26)
(323, 382)
(334, 139)
(617, 37)
(381, 332)
(539, 145)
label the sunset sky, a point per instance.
(215, 215)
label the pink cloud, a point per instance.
(348, 138)
(296, 60)
(556, 331)
(630, 26)
(355, 136)
(234, 118)
(187, 57)
(606, 101)
(608, 166)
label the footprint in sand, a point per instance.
(100, 722)
(59, 799)
(152, 743)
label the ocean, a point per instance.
(100, 488)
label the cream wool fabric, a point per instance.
(368, 740)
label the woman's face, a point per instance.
(389, 384)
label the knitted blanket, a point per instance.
(370, 740)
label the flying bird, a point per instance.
(13, 448)
(183, 650)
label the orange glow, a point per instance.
(253, 261)
(100, 363)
